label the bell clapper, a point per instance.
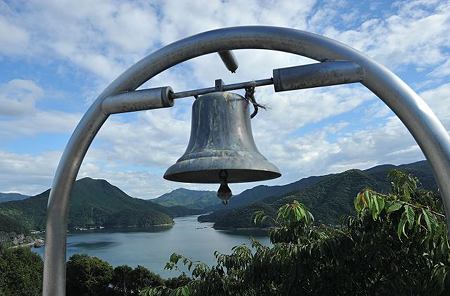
(224, 192)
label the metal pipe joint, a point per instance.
(315, 75)
(146, 99)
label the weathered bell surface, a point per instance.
(221, 148)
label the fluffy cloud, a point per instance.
(20, 117)
(14, 40)
(101, 39)
(439, 100)
(17, 97)
(27, 173)
(92, 35)
(401, 38)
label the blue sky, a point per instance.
(57, 56)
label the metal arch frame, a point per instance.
(412, 110)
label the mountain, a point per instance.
(193, 199)
(93, 203)
(4, 197)
(176, 211)
(8, 224)
(328, 197)
(98, 203)
(261, 192)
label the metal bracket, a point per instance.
(219, 84)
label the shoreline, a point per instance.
(104, 228)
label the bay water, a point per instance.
(152, 248)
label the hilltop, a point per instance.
(329, 196)
(93, 203)
(193, 199)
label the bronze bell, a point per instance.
(221, 148)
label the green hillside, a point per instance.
(98, 203)
(329, 197)
(93, 203)
(8, 224)
(193, 199)
(259, 193)
(4, 197)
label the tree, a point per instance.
(88, 276)
(20, 272)
(141, 277)
(121, 280)
(396, 245)
(129, 281)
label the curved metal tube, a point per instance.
(229, 60)
(427, 130)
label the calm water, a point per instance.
(152, 249)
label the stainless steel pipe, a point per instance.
(315, 75)
(138, 100)
(229, 60)
(425, 127)
(225, 87)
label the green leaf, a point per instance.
(259, 217)
(174, 258)
(368, 198)
(419, 219)
(381, 203)
(395, 206)
(427, 219)
(401, 226)
(377, 207)
(410, 215)
(358, 202)
(298, 214)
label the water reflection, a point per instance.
(152, 249)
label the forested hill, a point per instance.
(193, 199)
(93, 203)
(4, 197)
(328, 197)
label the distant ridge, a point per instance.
(4, 197)
(193, 199)
(93, 203)
(98, 203)
(328, 197)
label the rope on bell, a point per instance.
(250, 96)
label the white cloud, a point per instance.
(19, 117)
(442, 70)
(103, 38)
(439, 101)
(155, 139)
(27, 173)
(14, 40)
(18, 96)
(39, 122)
(412, 35)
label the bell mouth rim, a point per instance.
(211, 176)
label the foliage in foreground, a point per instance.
(396, 245)
(20, 272)
(21, 275)
(88, 275)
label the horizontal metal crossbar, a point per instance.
(298, 77)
